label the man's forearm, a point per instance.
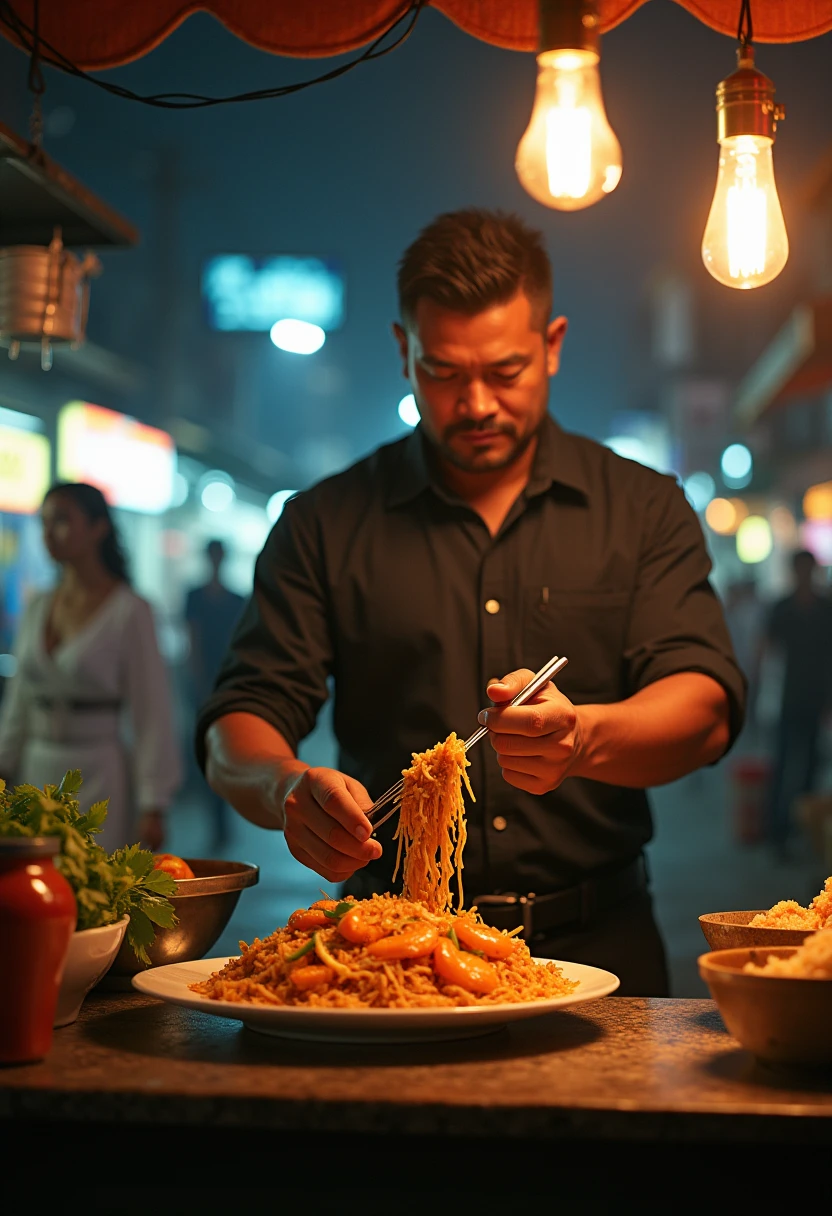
(663, 732)
(251, 765)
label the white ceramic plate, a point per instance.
(365, 1025)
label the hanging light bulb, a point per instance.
(569, 156)
(745, 243)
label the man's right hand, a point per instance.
(325, 825)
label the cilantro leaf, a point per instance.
(140, 934)
(107, 886)
(71, 783)
(160, 882)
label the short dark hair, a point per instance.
(471, 260)
(803, 557)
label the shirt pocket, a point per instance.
(589, 627)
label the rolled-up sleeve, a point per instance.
(676, 622)
(281, 652)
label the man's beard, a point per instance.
(484, 462)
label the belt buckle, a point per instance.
(524, 902)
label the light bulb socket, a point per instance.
(745, 101)
(569, 25)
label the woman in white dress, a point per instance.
(91, 690)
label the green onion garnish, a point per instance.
(305, 949)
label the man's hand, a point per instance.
(536, 744)
(325, 825)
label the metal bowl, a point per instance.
(781, 1020)
(731, 930)
(203, 904)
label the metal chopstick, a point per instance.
(538, 681)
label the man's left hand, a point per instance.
(537, 744)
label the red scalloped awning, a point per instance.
(103, 33)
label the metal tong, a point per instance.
(394, 794)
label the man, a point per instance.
(211, 612)
(799, 628)
(429, 577)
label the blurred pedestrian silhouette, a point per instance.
(800, 628)
(87, 651)
(211, 612)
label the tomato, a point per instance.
(173, 865)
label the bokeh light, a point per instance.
(817, 501)
(297, 337)
(721, 516)
(275, 505)
(754, 540)
(700, 489)
(217, 491)
(179, 490)
(737, 465)
(783, 525)
(409, 410)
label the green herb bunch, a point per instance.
(107, 886)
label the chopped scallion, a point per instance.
(305, 949)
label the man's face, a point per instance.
(481, 382)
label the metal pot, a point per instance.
(44, 296)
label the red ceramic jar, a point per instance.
(37, 920)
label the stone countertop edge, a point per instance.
(616, 1069)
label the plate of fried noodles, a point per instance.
(395, 967)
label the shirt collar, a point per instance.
(411, 473)
(556, 461)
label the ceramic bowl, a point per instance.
(91, 953)
(203, 904)
(731, 930)
(780, 1020)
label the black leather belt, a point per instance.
(572, 908)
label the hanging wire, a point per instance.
(745, 29)
(41, 51)
(37, 84)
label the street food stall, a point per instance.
(401, 1049)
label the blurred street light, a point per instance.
(275, 505)
(409, 410)
(217, 491)
(297, 337)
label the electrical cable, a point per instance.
(40, 51)
(745, 29)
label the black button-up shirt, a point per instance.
(383, 580)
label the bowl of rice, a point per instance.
(776, 1001)
(787, 923)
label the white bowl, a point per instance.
(91, 952)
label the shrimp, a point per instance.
(466, 970)
(413, 943)
(355, 929)
(480, 937)
(312, 976)
(328, 905)
(308, 918)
